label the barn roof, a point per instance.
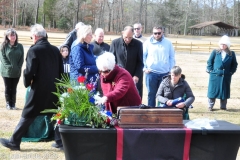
(215, 23)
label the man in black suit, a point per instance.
(129, 55)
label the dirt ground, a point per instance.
(193, 66)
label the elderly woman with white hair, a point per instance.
(81, 58)
(221, 65)
(117, 84)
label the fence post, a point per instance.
(176, 46)
(191, 48)
(209, 47)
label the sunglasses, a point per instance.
(157, 33)
(136, 28)
(105, 72)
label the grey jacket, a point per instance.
(182, 89)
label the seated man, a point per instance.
(173, 89)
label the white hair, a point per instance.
(38, 30)
(79, 24)
(83, 32)
(98, 30)
(105, 61)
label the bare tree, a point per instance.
(37, 8)
(187, 11)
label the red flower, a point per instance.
(108, 120)
(59, 121)
(81, 79)
(89, 87)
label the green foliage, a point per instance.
(49, 9)
(74, 102)
(63, 23)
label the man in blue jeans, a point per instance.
(158, 58)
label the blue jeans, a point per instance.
(153, 81)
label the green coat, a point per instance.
(220, 74)
(11, 61)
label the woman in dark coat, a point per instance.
(11, 57)
(117, 84)
(221, 65)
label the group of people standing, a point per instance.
(112, 66)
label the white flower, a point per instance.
(64, 95)
(79, 87)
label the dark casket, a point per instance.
(134, 117)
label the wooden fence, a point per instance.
(190, 47)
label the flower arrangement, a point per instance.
(78, 104)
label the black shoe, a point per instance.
(6, 143)
(55, 145)
(223, 108)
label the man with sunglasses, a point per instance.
(138, 32)
(158, 58)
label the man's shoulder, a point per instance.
(117, 40)
(105, 44)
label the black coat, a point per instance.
(99, 49)
(43, 65)
(129, 56)
(71, 37)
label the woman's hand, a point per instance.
(169, 103)
(180, 105)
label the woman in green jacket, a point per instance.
(11, 57)
(221, 65)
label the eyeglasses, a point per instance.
(136, 28)
(105, 72)
(157, 33)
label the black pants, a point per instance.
(22, 128)
(11, 85)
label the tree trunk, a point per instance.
(109, 16)
(44, 21)
(78, 5)
(121, 20)
(14, 13)
(36, 18)
(186, 18)
(145, 18)
(140, 11)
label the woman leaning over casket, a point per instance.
(117, 84)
